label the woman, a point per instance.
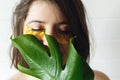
(61, 19)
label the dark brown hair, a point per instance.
(74, 12)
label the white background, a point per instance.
(104, 17)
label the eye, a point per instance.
(37, 28)
(64, 29)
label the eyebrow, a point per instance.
(38, 21)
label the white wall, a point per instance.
(5, 33)
(104, 17)
(105, 20)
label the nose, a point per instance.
(50, 31)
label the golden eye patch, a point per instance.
(36, 33)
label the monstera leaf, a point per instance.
(49, 67)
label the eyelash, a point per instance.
(64, 32)
(36, 29)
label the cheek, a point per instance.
(37, 34)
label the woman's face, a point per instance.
(43, 15)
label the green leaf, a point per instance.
(46, 67)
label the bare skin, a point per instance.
(100, 76)
(21, 76)
(49, 17)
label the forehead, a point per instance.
(45, 11)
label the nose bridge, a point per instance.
(49, 29)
